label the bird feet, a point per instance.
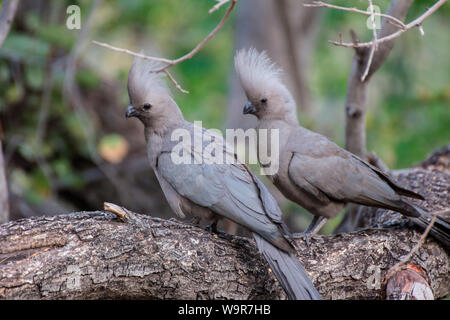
(213, 229)
(195, 222)
(307, 237)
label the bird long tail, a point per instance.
(288, 270)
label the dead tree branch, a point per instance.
(93, 255)
(4, 198)
(415, 23)
(218, 5)
(374, 46)
(105, 255)
(355, 136)
(7, 14)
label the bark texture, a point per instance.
(4, 201)
(7, 14)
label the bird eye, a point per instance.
(263, 100)
(147, 106)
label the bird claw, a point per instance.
(195, 222)
(307, 237)
(213, 229)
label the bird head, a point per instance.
(260, 78)
(150, 99)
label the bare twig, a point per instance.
(145, 57)
(119, 211)
(399, 264)
(356, 100)
(132, 53)
(7, 14)
(171, 78)
(415, 23)
(374, 41)
(394, 20)
(204, 41)
(169, 63)
(218, 5)
(4, 198)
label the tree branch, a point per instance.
(374, 42)
(364, 65)
(168, 62)
(4, 198)
(7, 14)
(92, 255)
(318, 4)
(415, 23)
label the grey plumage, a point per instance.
(313, 171)
(207, 190)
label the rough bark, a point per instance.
(92, 255)
(355, 106)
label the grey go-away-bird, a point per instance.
(208, 190)
(313, 171)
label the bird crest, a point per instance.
(144, 80)
(256, 71)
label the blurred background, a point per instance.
(68, 147)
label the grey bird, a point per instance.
(313, 171)
(206, 189)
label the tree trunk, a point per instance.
(356, 101)
(4, 201)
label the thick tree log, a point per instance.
(92, 255)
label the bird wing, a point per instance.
(325, 170)
(171, 195)
(228, 189)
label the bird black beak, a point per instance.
(131, 112)
(249, 108)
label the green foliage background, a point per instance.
(409, 101)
